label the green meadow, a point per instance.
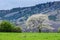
(29, 36)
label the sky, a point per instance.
(9, 4)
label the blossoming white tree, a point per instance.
(38, 21)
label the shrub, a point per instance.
(6, 26)
(59, 30)
(17, 29)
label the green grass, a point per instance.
(29, 36)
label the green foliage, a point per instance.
(17, 29)
(6, 26)
(59, 30)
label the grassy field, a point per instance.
(29, 36)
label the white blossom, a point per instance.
(38, 20)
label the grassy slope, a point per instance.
(29, 36)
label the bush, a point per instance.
(59, 30)
(17, 29)
(6, 26)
